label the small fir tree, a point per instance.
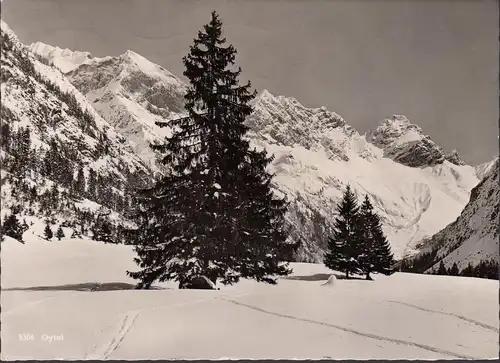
(102, 230)
(344, 244)
(59, 233)
(48, 232)
(80, 182)
(454, 270)
(442, 269)
(12, 227)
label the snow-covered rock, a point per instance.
(332, 280)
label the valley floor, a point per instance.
(55, 305)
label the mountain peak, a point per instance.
(285, 121)
(406, 143)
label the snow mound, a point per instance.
(332, 280)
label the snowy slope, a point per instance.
(437, 318)
(473, 236)
(317, 153)
(41, 98)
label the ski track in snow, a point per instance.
(469, 320)
(348, 330)
(128, 320)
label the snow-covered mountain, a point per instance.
(473, 236)
(64, 59)
(129, 91)
(61, 124)
(407, 144)
(318, 154)
(415, 187)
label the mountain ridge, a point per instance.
(415, 187)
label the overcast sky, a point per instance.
(433, 61)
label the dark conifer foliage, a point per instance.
(344, 246)
(102, 230)
(383, 259)
(48, 232)
(454, 270)
(442, 269)
(214, 214)
(60, 233)
(12, 227)
(358, 244)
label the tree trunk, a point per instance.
(368, 277)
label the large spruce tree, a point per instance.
(376, 255)
(214, 213)
(344, 245)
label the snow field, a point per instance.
(400, 316)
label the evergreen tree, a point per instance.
(60, 233)
(214, 213)
(384, 259)
(442, 269)
(376, 255)
(92, 192)
(80, 182)
(48, 232)
(344, 246)
(454, 270)
(12, 227)
(102, 230)
(5, 136)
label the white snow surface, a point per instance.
(403, 316)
